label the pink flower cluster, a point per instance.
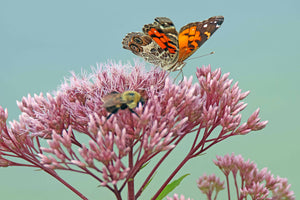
(113, 151)
(176, 197)
(209, 184)
(258, 184)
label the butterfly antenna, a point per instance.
(202, 55)
(180, 72)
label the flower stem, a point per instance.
(131, 179)
(228, 189)
(52, 173)
(172, 176)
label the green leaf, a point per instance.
(149, 181)
(170, 187)
(144, 165)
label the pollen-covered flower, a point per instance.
(82, 138)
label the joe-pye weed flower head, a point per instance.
(248, 180)
(113, 151)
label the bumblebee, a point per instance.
(115, 101)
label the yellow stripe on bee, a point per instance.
(207, 34)
(131, 98)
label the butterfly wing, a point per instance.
(193, 35)
(161, 45)
(164, 34)
(112, 99)
(142, 45)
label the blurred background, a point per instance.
(258, 43)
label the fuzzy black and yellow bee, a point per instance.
(114, 101)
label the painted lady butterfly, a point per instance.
(161, 45)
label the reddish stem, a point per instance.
(155, 168)
(236, 187)
(190, 155)
(131, 179)
(171, 176)
(52, 173)
(228, 189)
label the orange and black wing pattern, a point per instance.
(193, 35)
(161, 45)
(163, 32)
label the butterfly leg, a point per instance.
(180, 72)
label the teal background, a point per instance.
(258, 43)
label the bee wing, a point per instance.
(112, 99)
